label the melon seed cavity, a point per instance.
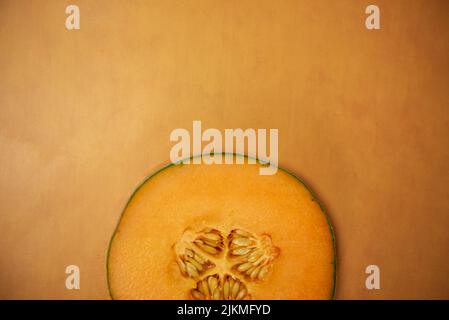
(248, 258)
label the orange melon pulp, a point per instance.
(236, 223)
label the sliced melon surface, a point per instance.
(198, 231)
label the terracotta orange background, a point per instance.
(362, 115)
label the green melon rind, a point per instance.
(323, 209)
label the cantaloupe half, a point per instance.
(222, 231)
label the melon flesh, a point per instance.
(142, 259)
